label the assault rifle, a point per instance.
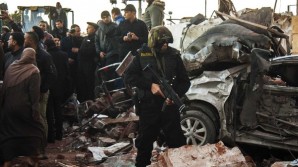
(166, 89)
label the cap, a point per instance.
(93, 24)
(130, 7)
(105, 13)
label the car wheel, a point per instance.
(198, 128)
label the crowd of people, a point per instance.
(40, 70)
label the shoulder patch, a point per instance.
(146, 54)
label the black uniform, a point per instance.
(152, 119)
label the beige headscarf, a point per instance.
(21, 69)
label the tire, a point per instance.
(198, 128)
(208, 112)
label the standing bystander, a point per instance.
(44, 26)
(132, 32)
(21, 129)
(117, 16)
(87, 65)
(15, 43)
(48, 75)
(60, 30)
(154, 13)
(107, 45)
(58, 13)
(58, 91)
(71, 45)
(40, 34)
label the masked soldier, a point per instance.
(165, 61)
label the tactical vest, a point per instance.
(147, 58)
(165, 67)
(170, 66)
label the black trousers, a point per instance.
(86, 79)
(54, 118)
(73, 77)
(152, 120)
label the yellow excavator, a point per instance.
(31, 15)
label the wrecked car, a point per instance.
(244, 86)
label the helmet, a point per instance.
(159, 35)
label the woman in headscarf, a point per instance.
(21, 130)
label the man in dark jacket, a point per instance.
(87, 65)
(107, 45)
(132, 32)
(60, 30)
(48, 75)
(40, 34)
(167, 63)
(71, 45)
(15, 44)
(58, 91)
(58, 13)
(44, 26)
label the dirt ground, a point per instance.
(59, 152)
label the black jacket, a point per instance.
(10, 57)
(87, 50)
(70, 42)
(174, 68)
(59, 33)
(47, 69)
(105, 38)
(60, 59)
(139, 28)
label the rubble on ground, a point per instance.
(91, 138)
(208, 155)
(285, 164)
